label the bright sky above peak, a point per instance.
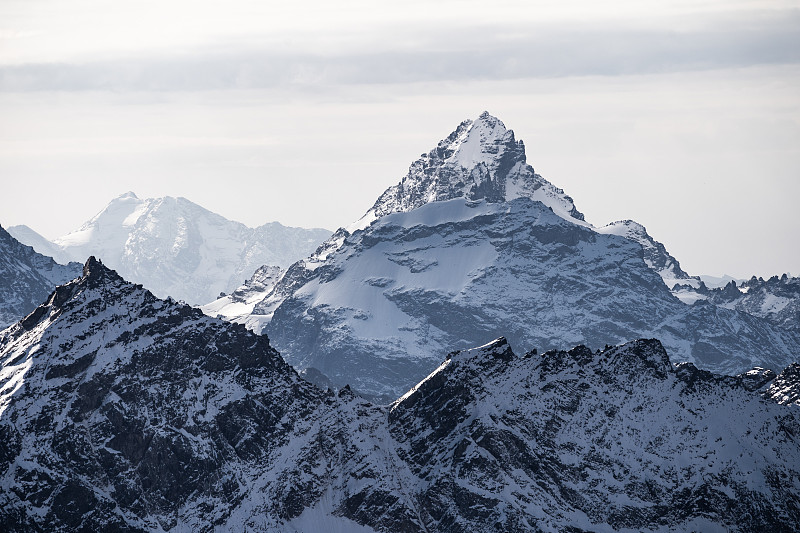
(684, 116)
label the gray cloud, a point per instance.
(445, 55)
(456, 55)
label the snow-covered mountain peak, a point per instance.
(630, 229)
(636, 358)
(483, 141)
(177, 248)
(480, 160)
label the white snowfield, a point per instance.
(177, 248)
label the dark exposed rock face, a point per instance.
(122, 412)
(137, 409)
(26, 278)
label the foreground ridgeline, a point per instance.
(123, 412)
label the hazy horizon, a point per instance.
(683, 117)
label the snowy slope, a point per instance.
(448, 274)
(785, 388)
(238, 306)
(604, 441)
(715, 282)
(26, 278)
(119, 411)
(177, 248)
(655, 254)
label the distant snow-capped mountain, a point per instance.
(123, 412)
(473, 244)
(776, 299)
(177, 248)
(26, 278)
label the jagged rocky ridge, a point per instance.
(776, 299)
(26, 278)
(177, 248)
(480, 160)
(119, 411)
(473, 244)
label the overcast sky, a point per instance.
(684, 116)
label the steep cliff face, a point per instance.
(655, 254)
(26, 278)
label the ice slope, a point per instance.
(119, 411)
(451, 273)
(177, 248)
(26, 278)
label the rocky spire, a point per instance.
(480, 160)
